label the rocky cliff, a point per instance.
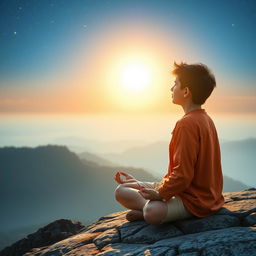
(231, 231)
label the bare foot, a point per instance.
(134, 215)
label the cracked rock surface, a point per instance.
(231, 231)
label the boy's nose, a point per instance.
(172, 88)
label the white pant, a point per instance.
(176, 209)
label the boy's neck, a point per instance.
(189, 106)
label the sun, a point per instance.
(135, 77)
(132, 81)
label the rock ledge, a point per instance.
(231, 231)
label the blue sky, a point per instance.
(40, 40)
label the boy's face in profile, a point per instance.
(177, 92)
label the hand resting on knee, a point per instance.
(127, 181)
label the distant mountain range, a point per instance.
(89, 157)
(152, 157)
(42, 184)
(238, 159)
(230, 185)
(80, 144)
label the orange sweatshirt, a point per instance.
(194, 171)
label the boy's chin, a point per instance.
(174, 102)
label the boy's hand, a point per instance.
(150, 194)
(128, 178)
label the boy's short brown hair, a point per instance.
(198, 78)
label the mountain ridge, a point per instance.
(236, 156)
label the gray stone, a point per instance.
(122, 249)
(227, 236)
(108, 237)
(50, 234)
(250, 220)
(106, 223)
(130, 228)
(231, 231)
(68, 245)
(190, 254)
(157, 251)
(209, 223)
(234, 249)
(153, 233)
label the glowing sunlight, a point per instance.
(135, 77)
(134, 81)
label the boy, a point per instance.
(193, 184)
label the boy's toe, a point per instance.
(134, 215)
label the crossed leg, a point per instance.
(153, 212)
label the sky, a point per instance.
(110, 56)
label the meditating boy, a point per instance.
(194, 181)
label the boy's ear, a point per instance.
(186, 92)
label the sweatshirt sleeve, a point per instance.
(183, 156)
